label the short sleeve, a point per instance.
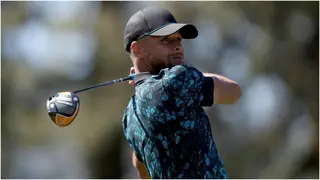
(188, 86)
(130, 136)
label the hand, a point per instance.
(132, 71)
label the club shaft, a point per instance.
(106, 83)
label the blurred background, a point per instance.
(270, 48)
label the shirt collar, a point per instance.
(141, 76)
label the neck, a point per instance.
(142, 67)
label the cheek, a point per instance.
(159, 52)
(182, 48)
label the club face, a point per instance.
(63, 108)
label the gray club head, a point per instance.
(63, 108)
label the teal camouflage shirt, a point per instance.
(168, 129)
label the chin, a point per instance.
(175, 63)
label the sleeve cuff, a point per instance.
(207, 91)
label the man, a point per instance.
(164, 122)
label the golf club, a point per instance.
(63, 107)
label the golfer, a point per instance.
(164, 122)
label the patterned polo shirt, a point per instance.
(167, 127)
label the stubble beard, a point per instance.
(157, 64)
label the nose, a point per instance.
(178, 47)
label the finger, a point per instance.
(131, 82)
(132, 71)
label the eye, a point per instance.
(171, 40)
(165, 40)
(179, 39)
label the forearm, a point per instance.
(226, 91)
(141, 168)
(221, 78)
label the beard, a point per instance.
(157, 64)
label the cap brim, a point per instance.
(187, 31)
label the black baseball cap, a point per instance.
(155, 21)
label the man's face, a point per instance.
(162, 52)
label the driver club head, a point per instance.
(63, 108)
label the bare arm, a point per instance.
(142, 170)
(225, 91)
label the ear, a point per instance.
(134, 48)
